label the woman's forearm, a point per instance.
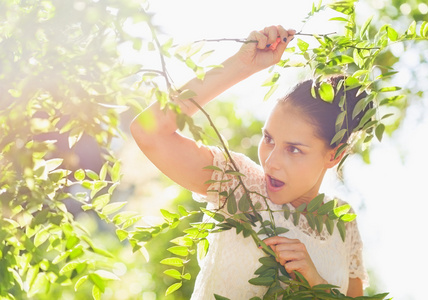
(216, 81)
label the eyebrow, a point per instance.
(288, 143)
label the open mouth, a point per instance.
(275, 182)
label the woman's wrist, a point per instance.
(318, 281)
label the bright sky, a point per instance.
(387, 194)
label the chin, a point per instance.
(279, 200)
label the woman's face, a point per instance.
(293, 157)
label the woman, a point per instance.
(294, 154)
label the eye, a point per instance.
(267, 139)
(294, 150)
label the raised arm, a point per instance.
(178, 157)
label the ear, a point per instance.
(333, 158)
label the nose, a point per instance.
(272, 161)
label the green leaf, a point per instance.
(411, 31)
(319, 223)
(101, 201)
(115, 171)
(286, 212)
(91, 174)
(311, 220)
(341, 149)
(79, 175)
(338, 136)
(103, 171)
(179, 250)
(329, 224)
(359, 107)
(218, 297)
(41, 236)
(379, 131)
(172, 261)
(79, 282)
(296, 217)
(122, 234)
(348, 217)
(112, 207)
(96, 293)
(301, 207)
(234, 173)
(342, 229)
(280, 230)
(205, 55)
(390, 89)
(124, 216)
(339, 120)
(365, 27)
(173, 273)
(203, 245)
(183, 211)
(315, 203)
(327, 207)
(74, 136)
(231, 205)
(169, 216)
(186, 94)
(263, 281)
(367, 116)
(172, 288)
(392, 34)
(272, 90)
(215, 168)
(271, 80)
(244, 203)
(216, 216)
(326, 92)
(340, 60)
(341, 19)
(69, 267)
(182, 241)
(54, 163)
(303, 46)
(341, 210)
(106, 275)
(96, 187)
(387, 74)
(424, 29)
(268, 261)
(61, 257)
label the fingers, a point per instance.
(275, 240)
(287, 250)
(272, 36)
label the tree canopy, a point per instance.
(64, 86)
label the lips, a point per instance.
(274, 184)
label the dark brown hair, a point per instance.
(322, 114)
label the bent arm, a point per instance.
(178, 157)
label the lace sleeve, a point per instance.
(222, 181)
(355, 250)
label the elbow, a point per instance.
(148, 129)
(141, 130)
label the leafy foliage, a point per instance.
(61, 83)
(354, 54)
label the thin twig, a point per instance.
(161, 56)
(245, 41)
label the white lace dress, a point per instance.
(232, 259)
